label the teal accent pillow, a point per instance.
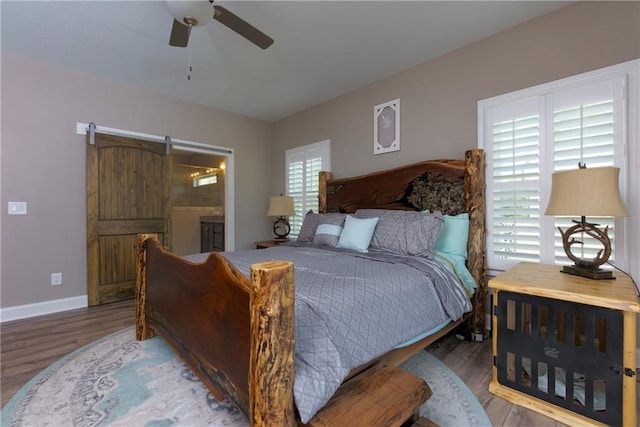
(357, 233)
(327, 234)
(456, 264)
(454, 235)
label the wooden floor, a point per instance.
(29, 346)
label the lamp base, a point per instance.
(589, 273)
(280, 239)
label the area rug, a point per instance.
(118, 381)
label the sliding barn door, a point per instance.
(128, 192)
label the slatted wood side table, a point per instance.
(564, 345)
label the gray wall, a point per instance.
(438, 99)
(43, 163)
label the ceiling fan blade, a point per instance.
(179, 34)
(242, 27)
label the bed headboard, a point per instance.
(448, 186)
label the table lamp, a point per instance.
(586, 192)
(281, 206)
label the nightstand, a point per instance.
(264, 244)
(565, 345)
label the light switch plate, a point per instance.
(17, 208)
(56, 279)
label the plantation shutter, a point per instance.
(584, 131)
(295, 189)
(303, 168)
(514, 203)
(529, 137)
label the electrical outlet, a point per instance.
(56, 279)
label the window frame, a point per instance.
(627, 156)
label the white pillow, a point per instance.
(357, 233)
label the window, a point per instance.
(303, 165)
(211, 178)
(528, 135)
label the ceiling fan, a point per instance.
(197, 13)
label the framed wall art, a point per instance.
(386, 127)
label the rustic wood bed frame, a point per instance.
(237, 333)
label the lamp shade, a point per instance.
(586, 192)
(281, 206)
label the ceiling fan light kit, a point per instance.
(198, 12)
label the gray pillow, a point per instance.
(405, 232)
(313, 220)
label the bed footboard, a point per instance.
(236, 334)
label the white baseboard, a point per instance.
(38, 309)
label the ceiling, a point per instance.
(322, 49)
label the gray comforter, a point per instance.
(352, 307)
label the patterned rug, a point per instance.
(118, 381)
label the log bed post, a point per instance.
(474, 188)
(322, 190)
(271, 365)
(143, 331)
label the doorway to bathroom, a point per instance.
(198, 202)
